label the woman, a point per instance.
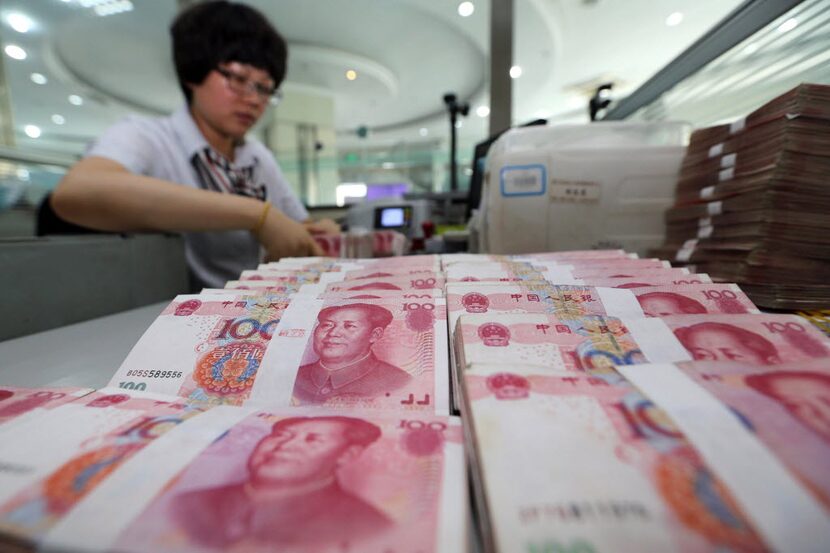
(194, 171)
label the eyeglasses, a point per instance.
(242, 85)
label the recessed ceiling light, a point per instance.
(515, 72)
(58, 119)
(39, 78)
(19, 22)
(351, 74)
(674, 19)
(424, 131)
(32, 131)
(387, 165)
(75, 100)
(751, 48)
(466, 9)
(15, 52)
(788, 25)
(108, 7)
(482, 111)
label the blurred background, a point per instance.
(362, 115)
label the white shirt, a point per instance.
(164, 148)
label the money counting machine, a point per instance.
(600, 185)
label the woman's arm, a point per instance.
(102, 194)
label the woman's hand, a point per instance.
(323, 226)
(282, 236)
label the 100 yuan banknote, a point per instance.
(53, 458)
(571, 463)
(528, 297)
(386, 353)
(786, 510)
(761, 339)
(591, 344)
(206, 348)
(693, 299)
(786, 405)
(299, 480)
(15, 402)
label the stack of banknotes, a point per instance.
(752, 202)
(361, 243)
(607, 403)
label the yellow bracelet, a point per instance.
(261, 222)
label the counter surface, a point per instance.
(84, 354)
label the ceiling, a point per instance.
(407, 53)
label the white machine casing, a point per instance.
(576, 187)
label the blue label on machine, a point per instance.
(523, 180)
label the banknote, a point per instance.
(272, 286)
(761, 339)
(291, 480)
(564, 346)
(787, 406)
(402, 272)
(452, 258)
(299, 277)
(55, 457)
(693, 299)
(566, 301)
(318, 291)
(388, 353)
(409, 283)
(431, 261)
(555, 274)
(579, 255)
(571, 463)
(637, 282)
(206, 348)
(18, 401)
(777, 417)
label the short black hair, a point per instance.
(210, 33)
(379, 317)
(356, 431)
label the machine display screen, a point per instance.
(392, 217)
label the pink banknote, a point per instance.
(555, 274)
(270, 286)
(693, 299)
(761, 339)
(567, 301)
(402, 272)
(293, 277)
(58, 457)
(312, 481)
(638, 282)
(571, 463)
(591, 344)
(17, 401)
(417, 281)
(388, 353)
(206, 348)
(787, 406)
(579, 255)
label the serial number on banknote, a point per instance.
(154, 374)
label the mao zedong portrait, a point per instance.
(805, 394)
(712, 341)
(663, 304)
(346, 366)
(292, 495)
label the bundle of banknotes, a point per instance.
(362, 243)
(586, 401)
(753, 205)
